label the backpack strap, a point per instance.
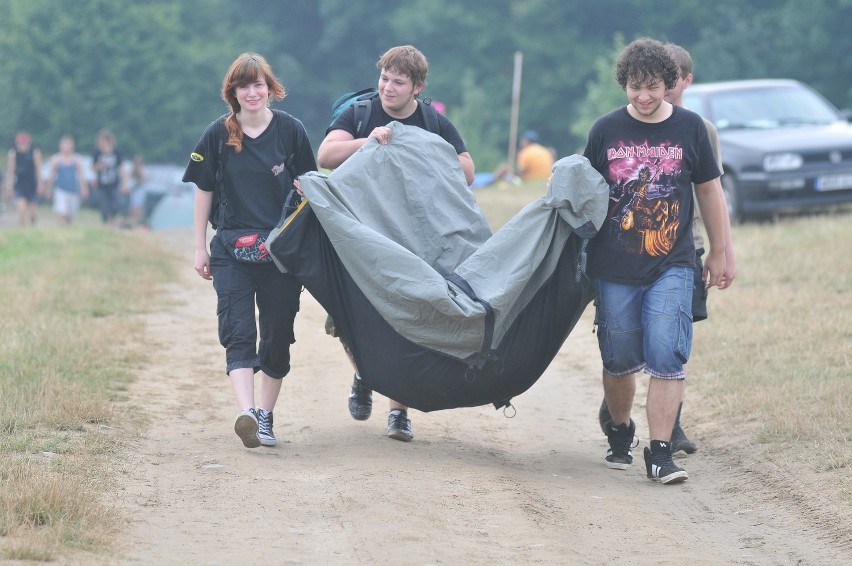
(291, 196)
(364, 107)
(430, 116)
(220, 203)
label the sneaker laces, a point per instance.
(359, 390)
(264, 422)
(664, 461)
(398, 421)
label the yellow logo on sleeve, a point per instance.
(197, 157)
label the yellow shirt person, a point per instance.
(534, 160)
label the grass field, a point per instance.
(771, 367)
(67, 354)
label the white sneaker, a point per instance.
(246, 428)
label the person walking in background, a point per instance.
(23, 178)
(402, 77)
(651, 153)
(110, 176)
(67, 181)
(251, 158)
(674, 95)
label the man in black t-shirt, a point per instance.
(402, 78)
(23, 177)
(651, 153)
(110, 176)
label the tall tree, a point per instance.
(104, 64)
(152, 70)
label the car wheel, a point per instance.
(729, 186)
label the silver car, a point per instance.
(784, 146)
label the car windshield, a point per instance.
(770, 107)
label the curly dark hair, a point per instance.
(645, 61)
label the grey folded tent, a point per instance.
(439, 313)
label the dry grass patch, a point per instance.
(68, 352)
(775, 356)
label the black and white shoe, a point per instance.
(659, 465)
(399, 427)
(360, 400)
(264, 427)
(679, 438)
(621, 440)
(246, 428)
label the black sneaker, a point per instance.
(246, 428)
(264, 427)
(604, 418)
(399, 427)
(360, 400)
(659, 465)
(679, 440)
(619, 456)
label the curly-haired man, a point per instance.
(643, 258)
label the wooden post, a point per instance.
(516, 100)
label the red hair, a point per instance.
(245, 70)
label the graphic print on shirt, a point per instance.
(644, 200)
(109, 174)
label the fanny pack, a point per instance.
(246, 246)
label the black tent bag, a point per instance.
(419, 377)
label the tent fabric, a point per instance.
(437, 312)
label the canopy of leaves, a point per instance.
(151, 71)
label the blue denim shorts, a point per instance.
(646, 326)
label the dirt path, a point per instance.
(473, 487)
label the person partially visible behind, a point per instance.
(67, 181)
(137, 192)
(402, 77)
(110, 176)
(535, 162)
(257, 153)
(23, 178)
(651, 153)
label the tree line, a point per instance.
(151, 71)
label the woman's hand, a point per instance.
(202, 264)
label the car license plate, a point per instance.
(834, 182)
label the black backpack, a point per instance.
(363, 102)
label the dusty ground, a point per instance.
(474, 487)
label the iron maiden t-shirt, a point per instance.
(650, 169)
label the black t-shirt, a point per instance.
(257, 179)
(109, 175)
(378, 117)
(650, 169)
(25, 173)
